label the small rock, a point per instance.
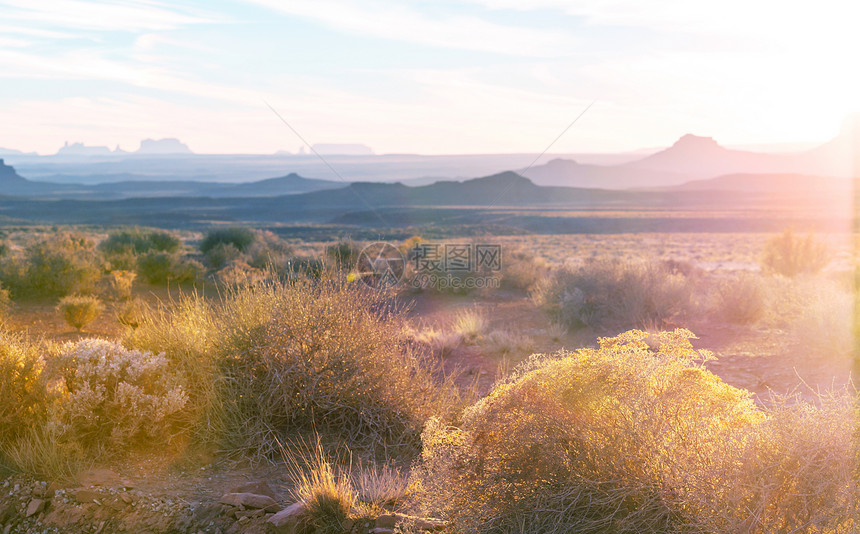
(126, 498)
(35, 506)
(249, 500)
(260, 487)
(386, 521)
(289, 517)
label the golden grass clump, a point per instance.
(635, 436)
(470, 325)
(23, 403)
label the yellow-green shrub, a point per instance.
(53, 267)
(80, 310)
(22, 395)
(634, 436)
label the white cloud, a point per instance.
(131, 15)
(394, 20)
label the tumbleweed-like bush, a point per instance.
(617, 294)
(277, 358)
(636, 436)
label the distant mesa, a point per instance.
(333, 149)
(8, 174)
(163, 146)
(80, 149)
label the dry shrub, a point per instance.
(791, 255)
(298, 356)
(793, 472)
(23, 402)
(161, 268)
(380, 486)
(635, 436)
(521, 270)
(284, 357)
(109, 396)
(131, 312)
(80, 310)
(742, 299)
(616, 294)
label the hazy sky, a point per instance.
(424, 77)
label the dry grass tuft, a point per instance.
(470, 325)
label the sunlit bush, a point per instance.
(791, 255)
(22, 396)
(636, 436)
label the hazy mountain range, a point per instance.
(811, 188)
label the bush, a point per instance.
(521, 270)
(222, 254)
(616, 294)
(160, 268)
(742, 299)
(270, 252)
(121, 283)
(115, 397)
(238, 236)
(137, 241)
(22, 396)
(281, 357)
(53, 267)
(790, 255)
(636, 436)
(80, 310)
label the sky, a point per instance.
(406, 76)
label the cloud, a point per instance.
(129, 16)
(397, 21)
